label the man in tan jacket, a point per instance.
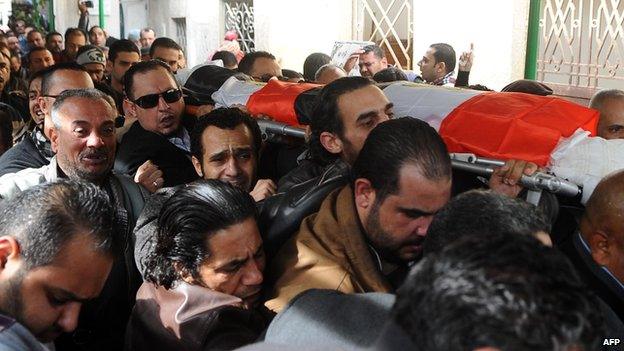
(366, 233)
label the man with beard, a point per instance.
(35, 150)
(83, 138)
(54, 43)
(160, 134)
(366, 233)
(56, 252)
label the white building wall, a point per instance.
(497, 28)
(67, 15)
(293, 29)
(203, 26)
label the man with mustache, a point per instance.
(160, 134)
(35, 150)
(83, 137)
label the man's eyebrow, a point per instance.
(414, 212)
(66, 295)
(234, 262)
(218, 154)
(366, 115)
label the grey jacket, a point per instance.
(14, 337)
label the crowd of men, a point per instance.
(130, 221)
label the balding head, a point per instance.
(602, 225)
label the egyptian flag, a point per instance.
(489, 124)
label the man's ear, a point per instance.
(331, 142)
(183, 273)
(600, 246)
(9, 250)
(384, 61)
(129, 108)
(54, 138)
(198, 166)
(109, 66)
(441, 68)
(364, 194)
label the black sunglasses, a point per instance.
(151, 100)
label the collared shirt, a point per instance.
(587, 252)
(182, 140)
(447, 80)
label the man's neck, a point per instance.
(116, 85)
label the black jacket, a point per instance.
(21, 156)
(139, 145)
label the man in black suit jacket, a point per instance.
(597, 250)
(160, 133)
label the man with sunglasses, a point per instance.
(260, 65)
(160, 134)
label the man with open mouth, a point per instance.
(160, 134)
(82, 134)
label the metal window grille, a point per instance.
(239, 16)
(581, 45)
(388, 23)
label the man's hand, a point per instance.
(505, 180)
(82, 7)
(263, 189)
(352, 61)
(204, 109)
(149, 176)
(465, 60)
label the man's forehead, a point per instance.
(368, 98)
(370, 56)
(69, 79)
(88, 110)
(215, 139)
(165, 52)
(140, 84)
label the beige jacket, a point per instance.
(328, 252)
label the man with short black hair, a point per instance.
(228, 59)
(38, 59)
(346, 111)
(35, 39)
(225, 145)
(122, 54)
(167, 51)
(34, 150)
(56, 248)
(438, 64)
(481, 212)
(74, 40)
(160, 134)
(366, 233)
(97, 36)
(497, 292)
(260, 65)
(372, 60)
